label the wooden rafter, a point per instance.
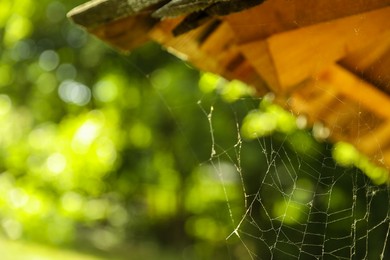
(329, 60)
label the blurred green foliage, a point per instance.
(100, 151)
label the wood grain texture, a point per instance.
(99, 12)
(348, 106)
(297, 54)
(328, 60)
(275, 16)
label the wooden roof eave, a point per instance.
(325, 59)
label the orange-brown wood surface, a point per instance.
(327, 60)
(275, 16)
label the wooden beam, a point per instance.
(297, 54)
(258, 55)
(354, 110)
(350, 85)
(275, 16)
(124, 34)
(376, 141)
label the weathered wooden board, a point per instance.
(126, 33)
(297, 54)
(199, 45)
(275, 16)
(373, 62)
(328, 60)
(349, 106)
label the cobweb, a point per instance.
(294, 200)
(299, 204)
(285, 196)
(291, 199)
(282, 194)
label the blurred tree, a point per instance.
(96, 146)
(101, 151)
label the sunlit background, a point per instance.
(112, 156)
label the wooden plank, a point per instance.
(215, 53)
(362, 59)
(351, 121)
(375, 141)
(385, 157)
(354, 110)
(275, 16)
(313, 98)
(356, 89)
(185, 46)
(368, 122)
(124, 34)
(246, 73)
(372, 63)
(189, 47)
(100, 12)
(258, 55)
(297, 54)
(379, 72)
(218, 40)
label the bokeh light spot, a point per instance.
(95, 209)
(74, 92)
(140, 135)
(104, 239)
(13, 229)
(66, 71)
(5, 104)
(72, 202)
(46, 82)
(17, 28)
(161, 78)
(210, 82)
(56, 163)
(118, 216)
(17, 197)
(76, 37)
(6, 75)
(85, 135)
(49, 60)
(105, 90)
(106, 151)
(55, 12)
(22, 50)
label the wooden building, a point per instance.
(327, 60)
